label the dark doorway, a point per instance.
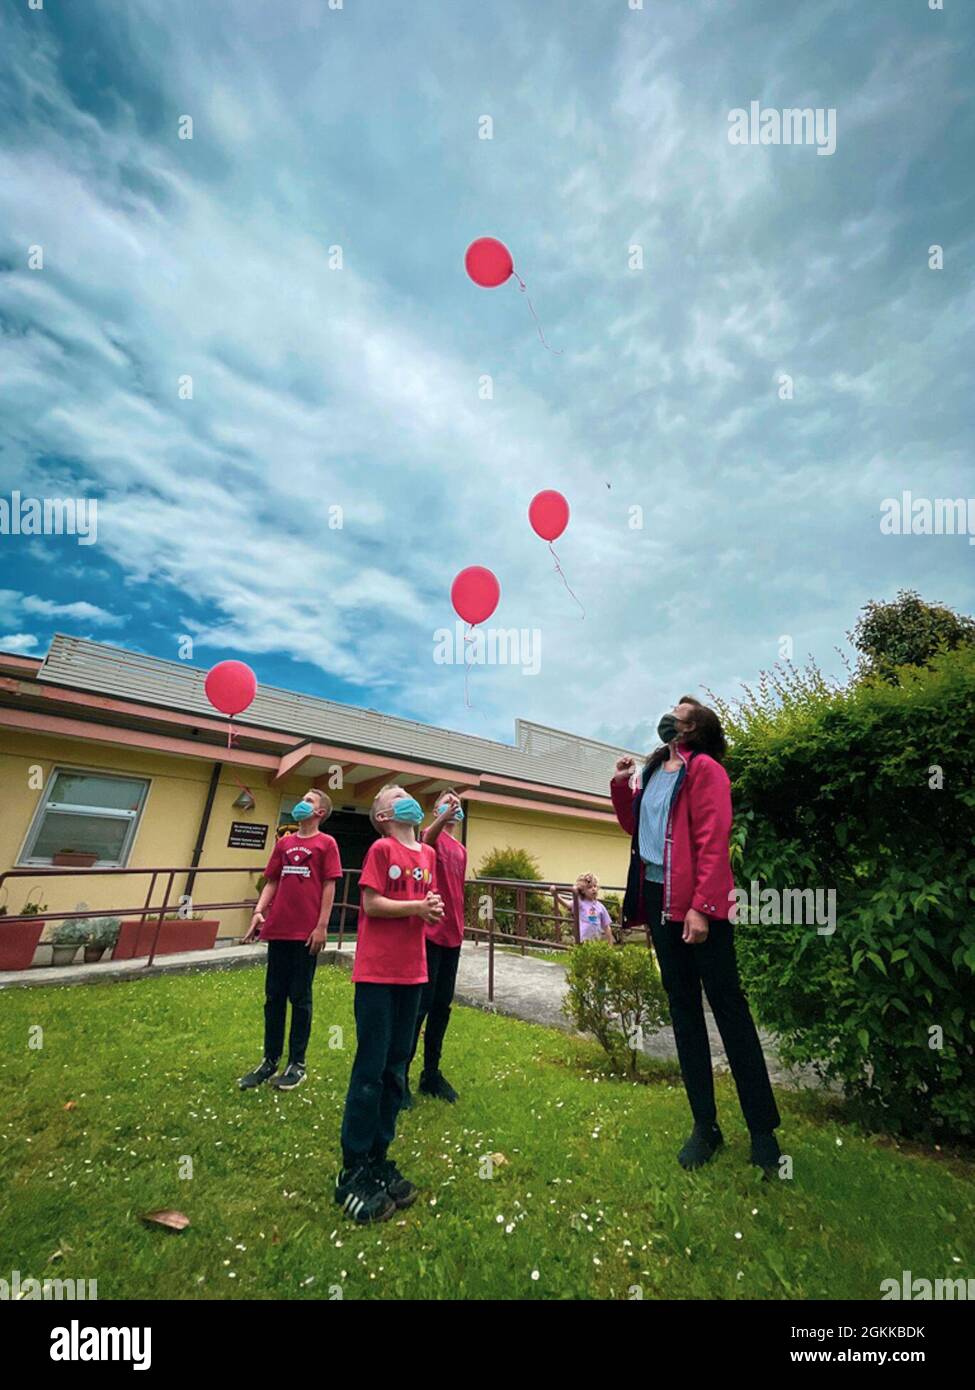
(353, 833)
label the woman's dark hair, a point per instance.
(704, 736)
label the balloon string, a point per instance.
(524, 289)
(562, 575)
(230, 733)
(468, 660)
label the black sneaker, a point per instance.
(292, 1076)
(766, 1153)
(398, 1188)
(703, 1144)
(436, 1084)
(362, 1196)
(258, 1076)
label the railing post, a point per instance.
(520, 914)
(346, 885)
(162, 910)
(491, 950)
(152, 889)
(575, 915)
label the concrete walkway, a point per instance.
(525, 987)
(528, 988)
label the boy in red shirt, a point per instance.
(292, 917)
(444, 940)
(397, 885)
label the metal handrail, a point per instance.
(521, 887)
(147, 910)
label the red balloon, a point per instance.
(230, 686)
(475, 593)
(488, 262)
(548, 513)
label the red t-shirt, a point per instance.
(451, 872)
(300, 865)
(393, 950)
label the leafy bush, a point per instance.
(866, 790)
(615, 993)
(907, 632)
(516, 863)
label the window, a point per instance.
(88, 812)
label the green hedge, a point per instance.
(840, 789)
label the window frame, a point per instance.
(28, 860)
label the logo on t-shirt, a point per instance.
(400, 878)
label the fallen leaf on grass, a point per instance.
(498, 1159)
(172, 1220)
(71, 1105)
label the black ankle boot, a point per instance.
(766, 1153)
(703, 1144)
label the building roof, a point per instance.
(542, 755)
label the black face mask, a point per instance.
(667, 729)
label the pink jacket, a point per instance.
(697, 868)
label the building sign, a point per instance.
(247, 834)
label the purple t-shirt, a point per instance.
(593, 920)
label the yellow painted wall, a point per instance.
(166, 833)
(565, 846)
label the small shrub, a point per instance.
(103, 931)
(615, 993)
(73, 932)
(510, 862)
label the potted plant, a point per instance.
(102, 933)
(74, 859)
(19, 936)
(66, 938)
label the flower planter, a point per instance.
(18, 941)
(136, 938)
(93, 953)
(73, 859)
(63, 955)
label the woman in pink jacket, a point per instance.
(678, 814)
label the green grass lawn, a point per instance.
(590, 1203)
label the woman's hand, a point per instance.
(696, 928)
(625, 768)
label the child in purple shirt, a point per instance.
(594, 921)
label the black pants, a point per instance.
(290, 972)
(711, 963)
(435, 1001)
(385, 1022)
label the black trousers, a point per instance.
(684, 969)
(290, 972)
(385, 1023)
(435, 1001)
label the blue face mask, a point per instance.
(302, 810)
(408, 809)
(458, 814)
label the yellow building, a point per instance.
(112, 760)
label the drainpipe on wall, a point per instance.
(204, 825)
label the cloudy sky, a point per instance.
(361, 387)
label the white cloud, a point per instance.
(80, 611)
(19, 642)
